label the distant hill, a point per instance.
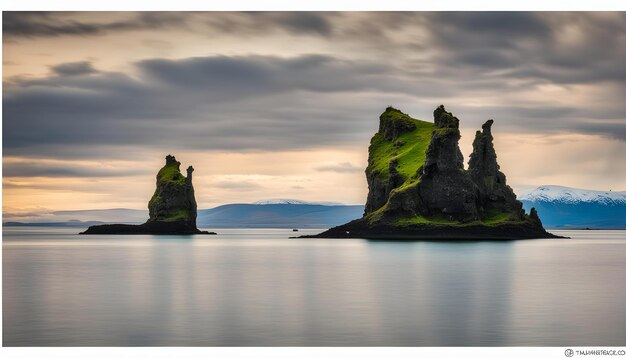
(70, 223)
(276, 213)
(563, 207)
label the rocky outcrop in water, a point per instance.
(172, 208)
(418, 187)
(173, 199)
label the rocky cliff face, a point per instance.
(395, 154)
(173, 199)
(418, 186)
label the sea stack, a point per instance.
(419, 188)
(172, 208)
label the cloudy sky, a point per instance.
(282, 105)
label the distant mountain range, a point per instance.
(275, 213)
(563, 207)
(558, 207)
(279, 215)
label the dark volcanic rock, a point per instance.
(172, 208)
(495, 194)
(443, 153)
(360, 229)
(148, 228)
(437, 197)
(446, 190)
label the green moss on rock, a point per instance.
(173, 198)
(181, 214)
(396, 154)
(170, 173)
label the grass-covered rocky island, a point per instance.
(172, 208)
(419, 189)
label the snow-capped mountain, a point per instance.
(563, 207)
(295, 202)
(555, 193)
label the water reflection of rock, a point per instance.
(444, 294)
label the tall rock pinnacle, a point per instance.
(172, 208)
(173, 199)
(443, 153)
(495, 194)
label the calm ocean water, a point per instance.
(255, 287)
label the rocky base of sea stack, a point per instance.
(505, 231)
(149, 228)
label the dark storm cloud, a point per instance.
(262, 23)
(502, 26)
(73, 68)
(487, 40)
(263, 74)
(46, 24)
(466, 60)
(613, 129)
(305, 22)
(238, 103)
(42, 169)
(208, 103)
(564, 48)
(49, 24)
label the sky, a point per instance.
(283, 104)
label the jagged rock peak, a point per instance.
(495, 194)
(445, 119)
(171, 160)
(483, 157)
(394, 123)
(189, 172)
(443, 152)
(487, 127)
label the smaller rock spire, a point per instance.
(483, 162)
(170, 159)
(487, 127)
(189, 172)
(443, 152)
(445, 119)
